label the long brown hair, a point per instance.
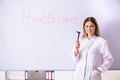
(93, 20)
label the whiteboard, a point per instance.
(40, 34)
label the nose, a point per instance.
(89, 27)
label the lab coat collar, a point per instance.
(92, 39)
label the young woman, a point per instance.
(91, 52)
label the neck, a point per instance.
(91, 36)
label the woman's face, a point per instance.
(90, 28)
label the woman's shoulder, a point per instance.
(82, 39)
(101, 39)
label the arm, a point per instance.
(76, 49)
(107, 58)
(75, 53)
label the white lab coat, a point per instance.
(92, 53)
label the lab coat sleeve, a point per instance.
(74, 58)
(107, 57)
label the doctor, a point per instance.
(91, 53)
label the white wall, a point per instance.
(64, 75)
(69, 75)
(2, 75)
(111, 75)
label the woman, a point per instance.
(91, 53)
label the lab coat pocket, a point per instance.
(96, 75)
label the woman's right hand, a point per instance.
(77, 45)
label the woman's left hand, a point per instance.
(96, 69)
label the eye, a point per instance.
(92, 26)
(86, 26)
